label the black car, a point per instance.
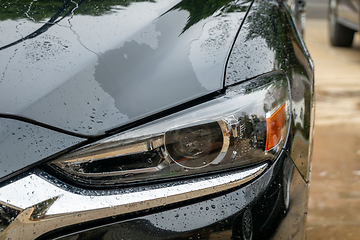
(154, 119)
(344, 19)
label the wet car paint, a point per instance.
(98, 72)
(281, 49)
(77, 75)
(271, 216)
(23, 144)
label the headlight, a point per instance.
(246, 125)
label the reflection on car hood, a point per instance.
(90, 66)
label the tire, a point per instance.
(247, 228)
(340, 36)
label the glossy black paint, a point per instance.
(87, 72)
(23, 144)
(95, 66)
(269, 41)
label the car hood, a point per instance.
(87, 67)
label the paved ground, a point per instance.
(334, 206)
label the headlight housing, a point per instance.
(246, 125)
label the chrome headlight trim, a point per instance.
(49, 207)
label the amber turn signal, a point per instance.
(274, 127)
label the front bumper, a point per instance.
(43, 207)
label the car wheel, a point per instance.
(287, 175)
(247, 225)
(340, 36)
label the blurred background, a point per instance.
(334, 205)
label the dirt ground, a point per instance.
(334, 205)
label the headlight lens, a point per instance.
(246, 125)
